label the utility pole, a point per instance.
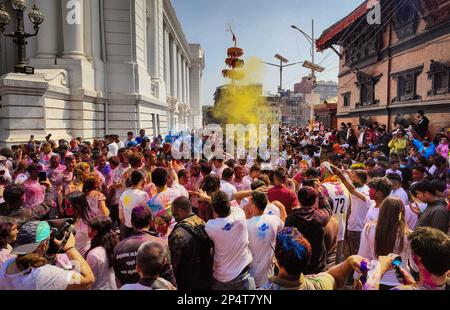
(313, 73)
(311, 65)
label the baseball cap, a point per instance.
(30, 236)
(2, 158)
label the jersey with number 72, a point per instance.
(341, 202)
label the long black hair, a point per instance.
(105, 236)
(79, 205)
(210, 184)
(5, 234)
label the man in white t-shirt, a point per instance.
(183, 182)
(113, 148)
(379, 189)
(397, 189)
(272, 208)
(340, 198)
(394, 168)
(174, 186)
(120, 144)
(238, 181)
(360, 205)
(254, 173)
(232, 256)
(225, 183)
(262, 232)
(218, 167)
(165, 195)
(130, 138)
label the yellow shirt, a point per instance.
(398, 146)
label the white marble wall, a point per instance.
(105, 75)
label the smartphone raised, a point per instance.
(42, 176)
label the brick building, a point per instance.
(326, 112)
(304, 86)
(326, 89)
(400, 65)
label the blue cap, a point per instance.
(30, 236)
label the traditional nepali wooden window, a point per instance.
(407, 84)
(366, 85)
(435, 12)
(364, 44)
(406, 19)
(439, 75)
(346, 97)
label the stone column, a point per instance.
(154, 43)
(96, 48)
(179, 76)
(47, 40)
(72, 16)
(184, 81)
(167, 61)
(188, 87)
(88, 36)
(195, 86)
(173, 69)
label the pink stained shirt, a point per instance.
(34, 193)
(442, 150)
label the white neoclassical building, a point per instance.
(125, 66)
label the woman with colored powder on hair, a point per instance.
(94, 197)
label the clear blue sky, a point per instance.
(263, 29)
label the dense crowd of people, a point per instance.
(358, 207)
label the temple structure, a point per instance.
(394, 59)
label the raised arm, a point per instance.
(83, 278)
(348, 185)
(282, 209)
(418, 144)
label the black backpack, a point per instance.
(204, 244)
(202, 251)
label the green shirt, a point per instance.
(321, 281)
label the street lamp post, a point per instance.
(311, 65)
(20, 36)
(283, 64)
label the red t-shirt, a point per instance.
(284, 195)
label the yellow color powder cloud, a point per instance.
(241, 99)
